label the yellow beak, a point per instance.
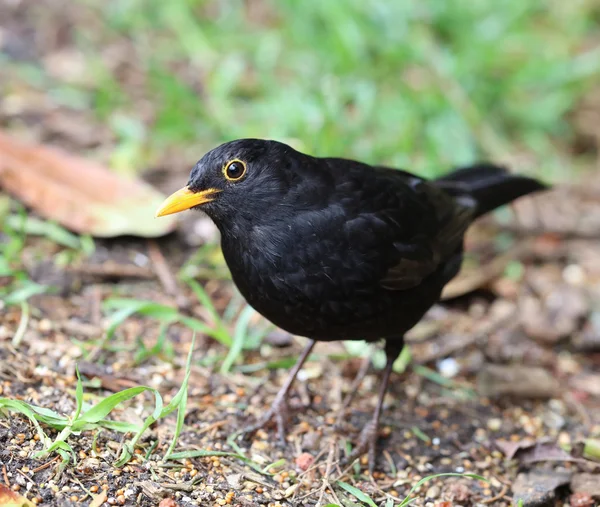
(185, 199)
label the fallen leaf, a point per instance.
(556, 315)
(525, 382)
(528, 451)
(99, 499)
(538, 488)
(80, 194)
(475, 276)
(12, 499)
(586, 483)
(510, 448)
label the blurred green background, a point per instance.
(422, 84)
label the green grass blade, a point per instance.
(354, 491)
(107, 405)
(23, 408)
(23, 323)
(407, 500)
(180, 399)
(78, 394)
(23, 293)
(241, 329)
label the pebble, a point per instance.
(433, 492)
(494, 424)
(304, 461)
(45, 325)
(448, 367)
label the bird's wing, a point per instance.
(404, 224)
(429, 228)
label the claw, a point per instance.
(280, 413)
(279, 409)
(367, 442)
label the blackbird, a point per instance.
(335, 249)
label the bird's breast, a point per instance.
(309, 284)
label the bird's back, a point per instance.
(364, 263)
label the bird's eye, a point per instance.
(234, 170)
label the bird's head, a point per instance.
(242, 178)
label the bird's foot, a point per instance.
(279, 412)
(367, 442)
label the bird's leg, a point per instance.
(279, 407)
(367, 440)
(360, 376)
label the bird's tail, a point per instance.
(491, 186)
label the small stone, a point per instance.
(234, 481)
(581, 500)
(45, 325)
(304, 461)
(494, 424)
(290, 490)
(433, 492)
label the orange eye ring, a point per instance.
(234, 170)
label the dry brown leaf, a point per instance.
(496, 380)
(80, 194)
(586, 483)
(538, 487)
(12, 499)
(477, 276)
(99, 499)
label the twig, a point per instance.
(314, 465)
(499, 496)
(23, 323)
(112, 270)
(6, 481)
(45, 465)
(326, 483)
(79, 328)
(27, 478)
(212, 426)
(166, 278)
(96, 307)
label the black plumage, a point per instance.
(334, 249)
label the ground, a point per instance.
(502, 379)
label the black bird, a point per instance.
(334, 249)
